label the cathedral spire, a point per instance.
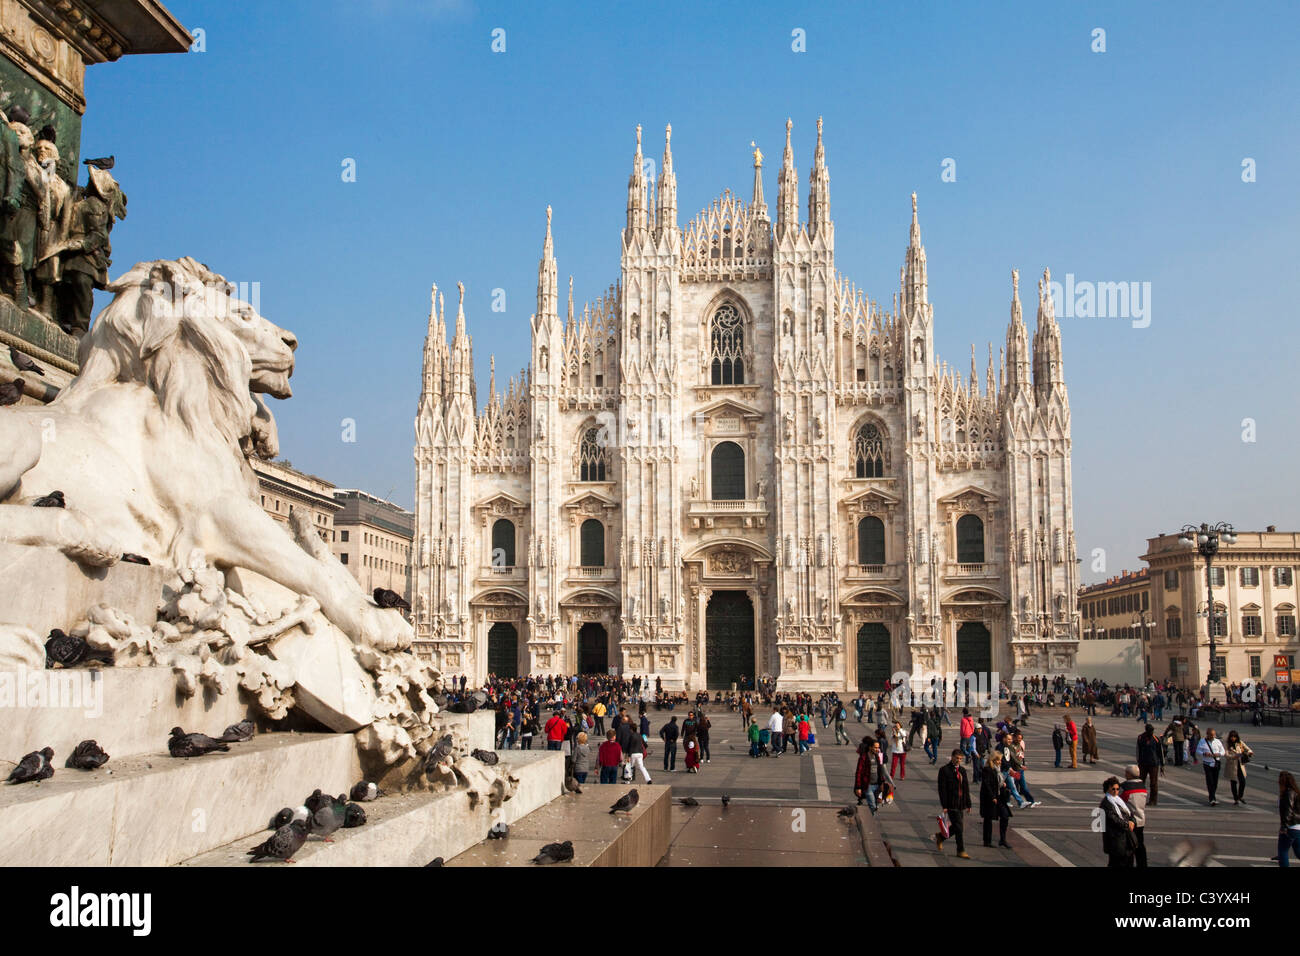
(547, 290)
(1016, 366)
(462, 353)
(569, 315)
(787, 199)
(1047, 342)
(915, 286)
(492, 379)
(435, 340)
(636, 216)
(666, 204)
(759, 204)
(819, 190)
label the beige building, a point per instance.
(1255, 598)
(1117, 608)
(737, 463)
(373, 539)
(284, 490)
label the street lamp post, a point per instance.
(1205, 540)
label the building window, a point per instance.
(1171, 580)
(868, 452)
(503, 543)
(1250, 625)
(1221, 666)
(343, 558)
(728, 472)
(970, 540)
(1174, 627)
(1286, 625)
(591, 456)
(871, 541)
(1282, 577)
(343, 536)
(593, 544)
(727, 347)
(1220, 624)
(1255, 670)
(1250, 577)
(1217, 577)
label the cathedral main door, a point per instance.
(974, 649)
(593, 649)
(503, 650)
(728, 639)
(873, 658)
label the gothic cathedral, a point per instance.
(736, 465)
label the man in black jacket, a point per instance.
(1150, 761)
(669, 733)
(954, 797)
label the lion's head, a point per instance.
(177, 327)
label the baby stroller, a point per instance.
(764, 738)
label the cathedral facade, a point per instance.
(735, 464)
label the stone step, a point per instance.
(127, 710)
(412, 829)
(155, 810)
(599, 837)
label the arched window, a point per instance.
(728, 472)
(727, 347)
(871, 541)
(970, 540)
(868, 452)
(593, 544)
(503, 543)
(591, 456)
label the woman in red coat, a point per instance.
(692, 753)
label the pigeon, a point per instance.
(11, 393)
(53, 500)
(488, 757)
(238, 733)
(316, 801)
(48, 133)
(555, 853)
(571, 785)
(353, 816)
(283, 818)
(281, 845)
(625, 803)
(328, 819)
(467, 706)
(387, 598)
(130, 558)
(690, 802)
(102, 162)
(726, 799)
(63, 650)
(302, 815)
(364, 792)
(23, 363)
(19, 114)
(192, 745)
(87, 755)
(35, 766)
(437, 755)
(500, 830)
(847, 812)
(436, 861)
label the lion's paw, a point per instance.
(385, 629)
(80, 542)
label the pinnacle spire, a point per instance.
(636, 191)
(666, 201)
(916, 284)
(1016, 365)
(787, 201)
(460, 311)
(819, 193)
(570, 314)
(547, 291)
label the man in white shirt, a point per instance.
(1211, 752)
(774, 725)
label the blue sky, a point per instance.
(1117, 166)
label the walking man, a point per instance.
(774, 726)
(1211, 752)
(1151, 763)
(669, 733)
(841, 715)
(1072, 733)
(954, 797)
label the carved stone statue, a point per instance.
(695, 487)
(86, 258)
(762, 488)
(18, 235)
(787, 421)
(541, 426)
(52, 231)
(820, 423)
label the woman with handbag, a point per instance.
(995, 802)
(1118, 842)
(1236, 756)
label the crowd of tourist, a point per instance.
(567, 713)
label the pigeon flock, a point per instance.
(319, 815)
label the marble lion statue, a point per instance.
(150, 446)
